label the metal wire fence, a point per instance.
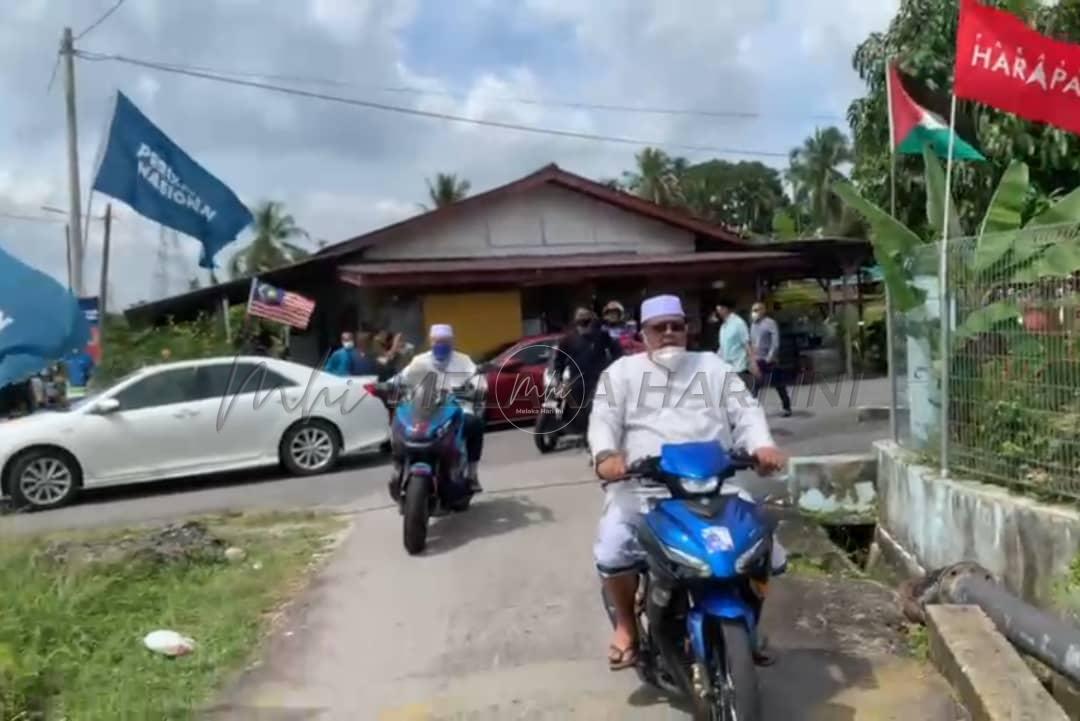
(1012, 354)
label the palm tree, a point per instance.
(658, 177)
(446, 189)
(274, 229)
(810, 172)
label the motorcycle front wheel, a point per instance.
(735, 695)
(417, 509)
(543, 435)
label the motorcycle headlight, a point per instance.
(691, 563)
(700, 485)
(754, 557)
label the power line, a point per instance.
(542, 102)
(426, 113)
(29, 218)
(52, 75)
(103, 18)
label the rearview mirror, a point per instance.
(106, 406)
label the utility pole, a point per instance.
(75, 236)
(67, 248)
(103, 294)
(105, 259)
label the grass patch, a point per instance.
(804, 566)
(1066, 591)
(918, 642)
(71, 634)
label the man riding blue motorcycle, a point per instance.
(439, 370)
(646, 407)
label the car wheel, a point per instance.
(310, 447)
(43, 479)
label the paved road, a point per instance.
(501, 620)
(824, 422)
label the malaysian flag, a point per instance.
(267, 301)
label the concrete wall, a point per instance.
(1028, 544)
(546, 221)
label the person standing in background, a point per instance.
(734, 340)
(764, 352)
(80, 366)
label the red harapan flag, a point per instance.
(1002, 62)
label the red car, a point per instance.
(515, 376)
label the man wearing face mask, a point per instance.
(445, 368)
(765, 344)
(588, 349)
(348, 360)
(666, 395)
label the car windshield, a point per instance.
(488, 356)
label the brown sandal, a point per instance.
(622, 658)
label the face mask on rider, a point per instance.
(669, 357)
(347, 344)
(440, 352)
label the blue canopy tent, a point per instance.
(40, 321)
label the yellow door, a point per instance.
(481, 321)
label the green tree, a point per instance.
(921, 39)
(447, 188)
(811, 171)
(743, 195)
(272, 247)
(658, 177)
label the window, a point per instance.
(494, 353)
(229, 379)
(160, 389)
(533, 355)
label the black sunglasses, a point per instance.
(671, 326)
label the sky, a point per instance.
(343, 170)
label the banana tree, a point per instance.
(1007, 251)
(1009, 373)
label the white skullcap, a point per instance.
(661, 306)
(441, 331)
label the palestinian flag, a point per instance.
(912, 125)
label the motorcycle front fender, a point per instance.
(718, 603)
(420, 469)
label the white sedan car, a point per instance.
(190, 418)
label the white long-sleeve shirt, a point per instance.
(639, 406)
(458, 369)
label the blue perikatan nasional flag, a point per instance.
(145, 169)
(40, 321)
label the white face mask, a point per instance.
(756, 315)
(669, 357)
(347, 344)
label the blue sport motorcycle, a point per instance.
(702, 586)
(428, 444)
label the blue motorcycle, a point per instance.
(702, 587)
(428, 444)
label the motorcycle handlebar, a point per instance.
(650, 465)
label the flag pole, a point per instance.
(890, 350)
(244, 328)
(943, 290)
